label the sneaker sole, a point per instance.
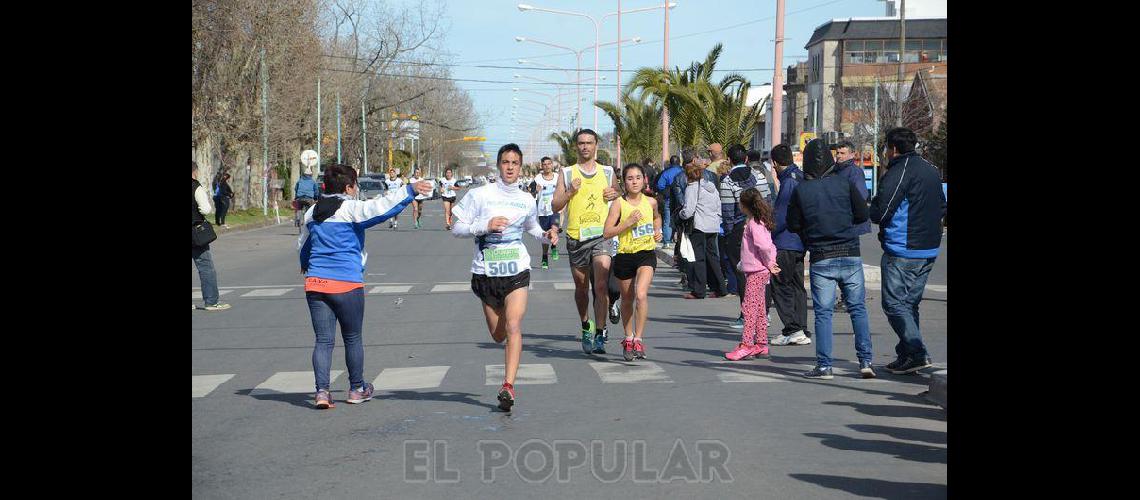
(801, 342)
(896, 371)
(823, 377)
(867, 373)
(505, 401)
(358, 401)
(324, 406)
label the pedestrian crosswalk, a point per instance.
(452, 287)
(607, 372)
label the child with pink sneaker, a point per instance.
(758, 261)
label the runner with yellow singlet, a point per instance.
(585, 190)
(635, 220)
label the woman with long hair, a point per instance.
(634, 220)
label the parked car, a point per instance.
(370, 188)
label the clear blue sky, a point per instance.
(482, 32)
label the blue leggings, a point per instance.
(326, 309)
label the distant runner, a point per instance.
(543, 187)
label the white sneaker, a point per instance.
(217, 307)
(778, 339)
(798, 338)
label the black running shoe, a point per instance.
(895, 364)
(865, 369)
(615, 312)
(912, 365)
(819, 373)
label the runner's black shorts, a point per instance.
(449, 199)
(547, 221)
(626, 264)
(493, 291)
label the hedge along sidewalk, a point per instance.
(241, 220)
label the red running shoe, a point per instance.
(638, 349)
(506, 396)
(627, 350)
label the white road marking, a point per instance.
(198, 295)
(528, 374)
(244, 287)
(564, 286)
(292, 383)
(390, 289)
(936, 288)
(267, 292)
(205, 384)
(746, 371)
(418, 377)
(620, 373)
(451, 288)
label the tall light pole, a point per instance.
(597, 29)
(597, 45)
(576, 82)
(902, 57)
(778, 78)
(318, 172)
(619, 12)
(578, 54)
(664, 109)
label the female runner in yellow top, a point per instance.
(635, 262)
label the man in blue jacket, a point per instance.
(664, 180)
(908, 209)
(845, 166)
(786, 289)
(825, 211)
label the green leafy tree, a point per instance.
(402, 161)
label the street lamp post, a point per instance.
(578, 54)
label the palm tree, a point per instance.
(687, 94)
(638, 124)
(728, 120)
(565, 142)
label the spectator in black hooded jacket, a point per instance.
(825, 211)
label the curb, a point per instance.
(937, 393)
(248, 227)
(665, 256)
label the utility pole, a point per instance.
(778, 77)
(902, 57)
(264, 135)
(319, 138)
(617, 137)
(664, 109)
(338, 160)
(364, 127)
(875, 145)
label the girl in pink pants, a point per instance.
(758, 261)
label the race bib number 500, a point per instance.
(501, 261)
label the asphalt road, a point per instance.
(683, 423)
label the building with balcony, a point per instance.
(849, 59)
